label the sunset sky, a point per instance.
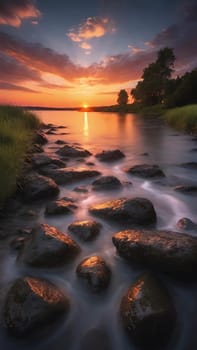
(70, 53)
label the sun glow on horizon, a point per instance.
(85, 106)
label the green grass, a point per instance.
(183, 118)
(16, 133)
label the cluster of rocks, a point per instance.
(146, 309)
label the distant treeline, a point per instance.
(158, 87)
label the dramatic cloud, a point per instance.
(121, 68)
(13, 71)
(182, 38)
(93, 27)
(38, 57)
(31, 61)
(13, 12)
(9, 86)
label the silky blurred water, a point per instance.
(143, 140)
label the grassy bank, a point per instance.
(183, 118)
(16, 133)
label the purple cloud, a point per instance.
(13, 12)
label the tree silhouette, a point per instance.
(123, 98)
(152, 88)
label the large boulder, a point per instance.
(48, 247)
(73, 151)
(60, 207)
(40, 160)
(110, 155)
(145, 170)
(106, 183)
(133, 211)
(171, 252)
(95, 272)
(68, 175)
(85, 230)
(32, 303)
(147, 313)
(37, 186)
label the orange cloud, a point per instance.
(13, 12)
(85, 46)
(93, 27)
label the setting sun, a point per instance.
(85, 105)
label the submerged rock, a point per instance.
(106, 183)
(134, 211)
(60, 207)
(32, 303)
(85, 230)
(36, 186)
(146, 170)
(73, 151)
(68, 175)
(60, 142)
(172, 252)
(48, 247)
(95, 272)
(186, 224)
(80, 189)
(147, 313)
(189, 165)
(110, 155)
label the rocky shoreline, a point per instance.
(147, 311)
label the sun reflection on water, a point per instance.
(85, 125)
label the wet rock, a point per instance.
(74, 152)
(51, 132)
(32, 303)
(60, 207)
(36, 186)
(186, 224)
(39, 160)
(146, 170)
(111, 155)
(68, 175)
(106, 183)
(97, 339)
(134, 211)
(37, 148)
(147, 313)
(61, 127)
(95, 272)
(186, 189)
(189, 165)
(172, 252)
(80, 189)
(29, 212)
(40, 138)
(18, 242)
(48, 247)
(85, 230)
(60, 142)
